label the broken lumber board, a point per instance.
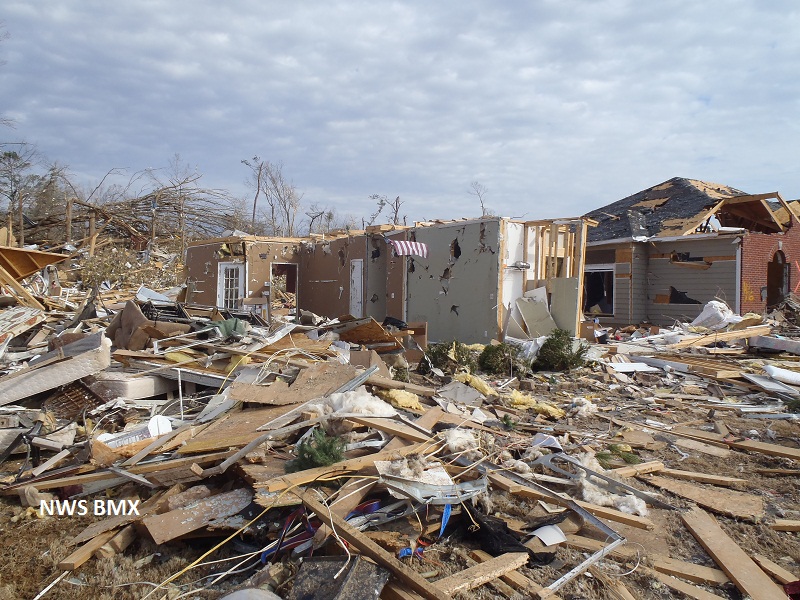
(603, 512)
(725, 502)
(170, 525)
(768, 449)
(702, 447)
(688, 589)
(640, 469)
(392, 384)
(785, 525)
(775, 570)
(98, 527)
(393, 427)
(689, 571)
(367, 547)
(85, 552)
(615, 588)
(394, 591)
(513, 578)
(105, 474)
(124, 538)
(722, 336)
(719, 480)
(341, 468)
(484, 572)
(738, 566)
(747, 445)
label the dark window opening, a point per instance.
(598, 289)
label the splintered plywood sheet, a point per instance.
(536, 316)
(300, 342)
(17, 320)
(316, 381)
(725, 502)
(738, 566)
(235, 430)
(370, 334)
(168, 526)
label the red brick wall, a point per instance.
(758, 249)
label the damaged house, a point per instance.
(659, 255)
(470, 279)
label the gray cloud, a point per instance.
(557, 107)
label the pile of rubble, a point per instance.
(165, 450)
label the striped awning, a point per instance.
(404, 248)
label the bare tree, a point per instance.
(282, 197)
(256, 181)
(393, 207)
(480, 191)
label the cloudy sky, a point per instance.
(555, 106)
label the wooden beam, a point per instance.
(124, 538)
(689, 571)
(727, 502)
(484, 572)
(688, 589)
(85, 552)
(515, 579)
(367, 547)
(719, 480)
(785, 525)
(740, 568)
(775, 570)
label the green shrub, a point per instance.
(439, 355)
(321, 450)
(503, 359)
(557, 353)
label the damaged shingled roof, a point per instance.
(653, 211)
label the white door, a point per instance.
(357, 287)
(230, 285)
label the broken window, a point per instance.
(598, 286)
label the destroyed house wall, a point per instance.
(682, 276)
(455, 288)
(325, 275)
(377, 252)
(203, 262)
(759, 249)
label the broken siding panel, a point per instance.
(698, 283)
(638, 284)
(455, 288)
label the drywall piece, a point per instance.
(565, 303)
(168, 526)
(49, 375)
(738, 566)
(537, 318)
(726, 502)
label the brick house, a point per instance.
(659, 255)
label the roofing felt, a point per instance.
(664, 209)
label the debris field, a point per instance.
(157, 449)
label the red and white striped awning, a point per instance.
(403, 248)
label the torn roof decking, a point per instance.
(680, 206)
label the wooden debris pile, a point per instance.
(278, 457)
